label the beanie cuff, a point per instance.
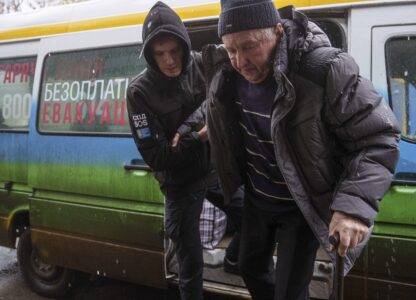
(246, 17)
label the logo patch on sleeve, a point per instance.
(140, 121)
(144, 133)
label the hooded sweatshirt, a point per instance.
(158, 105)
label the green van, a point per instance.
(75, 192)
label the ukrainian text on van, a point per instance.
(74, 189)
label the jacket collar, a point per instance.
(300, 36)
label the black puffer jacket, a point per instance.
(158, 105)
(335, 140)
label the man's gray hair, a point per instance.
(267, 33)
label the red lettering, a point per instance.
(56, 113)
(16, 71)
(91, 111)
(25, 72)
(79, 71)
(98, 69)
(68, 73)
(67, 114)
(2, 67)
(88, 70)
(78, 113)
(32, 68)
(92, 107)
(45, 113)
(12, 71)
(8, 75)
(58, 73)
(105, 115)
(46, 73)
(122, 120)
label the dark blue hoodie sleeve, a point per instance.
(151, 140)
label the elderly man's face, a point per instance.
(168, 53)
(251, 52)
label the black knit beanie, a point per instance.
(240, 15)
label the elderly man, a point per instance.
(159, 100)
(291, 118)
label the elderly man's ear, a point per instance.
(278, 29)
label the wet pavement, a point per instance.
(13, 287)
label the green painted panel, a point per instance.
(105, 181)
(11, 203)
(395, 230)
(113, 203)
(134, 264)
(13, 171)
(388, 258)
(398, 206)
(128, 224)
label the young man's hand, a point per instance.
(175, 140)
(203, 134)
(351, 230)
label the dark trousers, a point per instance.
(182, 214)
(234, 212)
(297, 247)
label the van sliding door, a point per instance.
(96, 205)
(394, 74)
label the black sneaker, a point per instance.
(231, 267)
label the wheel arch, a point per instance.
(20, 220)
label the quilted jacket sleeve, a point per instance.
(368, 130)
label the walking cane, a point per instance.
(338, 282)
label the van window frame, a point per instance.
(137, 45)
(389, 87)
(27, 130)
(344, 46)
(212, 23)
(202, 25)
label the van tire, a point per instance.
(44, 279)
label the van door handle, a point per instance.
(137, 165)
(8, 186)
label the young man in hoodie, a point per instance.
(315, 145)
(159, 101)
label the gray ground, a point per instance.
(13, 287)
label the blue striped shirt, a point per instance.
(264, 179)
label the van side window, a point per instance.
(401, 76)
(334, 32)
(203, 35)
(84, 92)
(16, 83)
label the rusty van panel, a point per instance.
(112, 220)
(122, 261)
(14, 209)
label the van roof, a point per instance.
(87, 15)
(98, 14)
(358, 4)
